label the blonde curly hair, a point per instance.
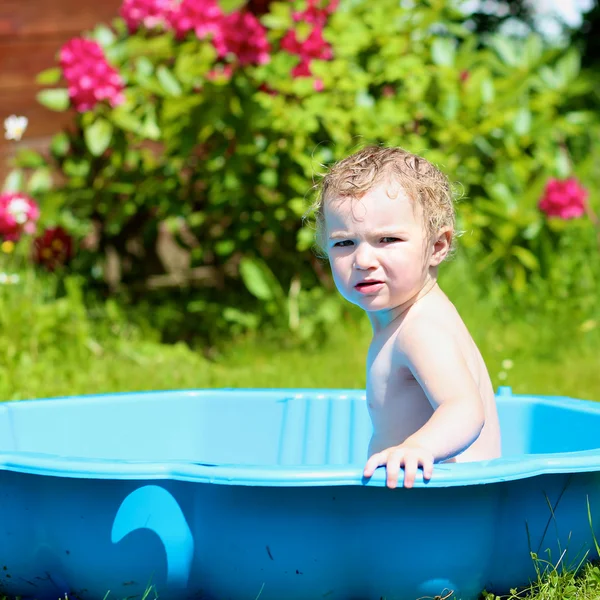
(362, 171)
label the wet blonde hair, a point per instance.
(364, 170)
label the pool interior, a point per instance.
(257, 427)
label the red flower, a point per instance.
(564, 199)
(316, 12)
(203, 17)
(53, 248)
(18, 215)
(89, 76)
(313, 47)
(242, 34)
(149, 13)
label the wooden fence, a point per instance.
(31, 33)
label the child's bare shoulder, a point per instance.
(432, 324)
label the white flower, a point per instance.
(507, 364)
(18, 208)
(502, 375)
(15, 127)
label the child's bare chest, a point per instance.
(397, 404)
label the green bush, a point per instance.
(190, 193)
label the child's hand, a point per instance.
(409, 457)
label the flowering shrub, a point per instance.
(564, 199)
(200, 131)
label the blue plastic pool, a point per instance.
(230, 494)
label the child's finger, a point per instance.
(393, 469)
(374, 461)
(427, 469)
(411, 464)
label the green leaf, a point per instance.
(228, 6)
(562, 163)
(500, 192)
(519, 278)
(104, 35)
(14, 181)
(98, 136)
(551, 78)
(150, 128)
(522, 121)
(364, 99)
(450, 104)
(56, 99)
(260, 280)
(168, 81)
(305, 239)
(225, 247)
(40, 182)
(443, 52)
(488, 92)
(60, 144)
(49, 76)
(526, 257)
(534, 46)
(278, 17)
(143, 67)
(505, 48)
(254, 280)
(29, 159)
(569, 66)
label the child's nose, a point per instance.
(364, 257)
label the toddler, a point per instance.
(385, 218)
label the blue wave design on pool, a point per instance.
(152, 507)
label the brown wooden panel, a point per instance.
(23, 58)
(41, 17)
(42, 121)
(8, 151)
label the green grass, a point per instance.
(147, 365)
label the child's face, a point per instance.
(378, 247)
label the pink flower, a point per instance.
(313, 47)
(203, 17)
(564, 199)
(149, 13)
(316, 12)
(242, 35)
(89, 76)
(18, 214)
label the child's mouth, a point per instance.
(367, 287)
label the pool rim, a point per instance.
(445, 475)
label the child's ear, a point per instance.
(441, 246)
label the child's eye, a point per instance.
(343, 244)
(389, 240)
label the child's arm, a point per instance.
(438, 365)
